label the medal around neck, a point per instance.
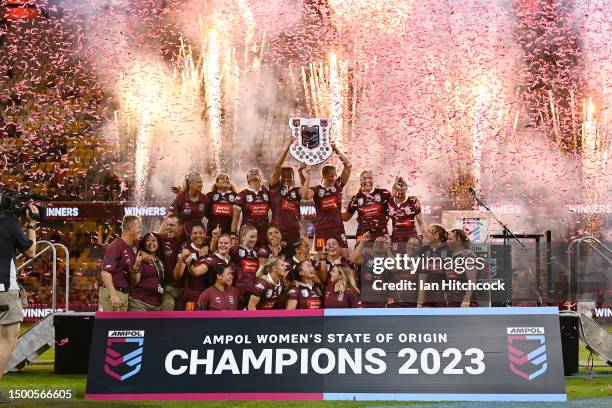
(311, 143)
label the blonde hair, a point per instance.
(268, 267)
(129, 221)
(245, 230)
(439, 232)
(347, 277)
(190, 178)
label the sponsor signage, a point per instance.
(95, 210)
(470, 354)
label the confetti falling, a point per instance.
(508, 96)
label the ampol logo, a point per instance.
(123, 353)
(476, 228)
(527, 351)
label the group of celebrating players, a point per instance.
(252, 251)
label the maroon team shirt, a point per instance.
(285, 205)
(191, 211)
(147, 289)
(194, 285)
(255, 206)
(307, 296)
(328, 203)
(335, 300)
(403, 218)
(172, 250)
(211, 262)
(371, 211)
(434, 273)
(214, 299)
(246, 264)
(118, 260)
(220, 210)
(265, 251)
(267, 291)
(330, 263)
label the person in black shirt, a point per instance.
(12, 239)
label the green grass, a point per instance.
(40, 376)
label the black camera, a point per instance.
(14, 202)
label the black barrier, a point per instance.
(361, 354)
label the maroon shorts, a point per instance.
(322, 237)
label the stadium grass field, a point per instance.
(39, 375)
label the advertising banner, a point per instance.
(473, 354)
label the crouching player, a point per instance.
(269, 285)
(222, 295)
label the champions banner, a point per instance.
(471, 354)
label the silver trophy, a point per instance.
(311, 144)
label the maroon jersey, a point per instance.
(403, 218)
(214, 299)
(456, 296)
(307, 296)
(330, 263)
(434, 268)
(172, 250)
(119, 258)
(328, 203)
(336, 300)
(194, 285)
(267, 291)
(191, 211)
(285, 205)
(255, 206)
(220, 210)
(265, 251)
(371, 211)
(211, 262)
(246, 264)
(148, 288)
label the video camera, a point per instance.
(14, 202)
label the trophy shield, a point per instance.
(311, 144)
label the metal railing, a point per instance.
(53, 248)
(588, 240)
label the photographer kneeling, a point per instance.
(12, 239)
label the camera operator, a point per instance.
(12, 238)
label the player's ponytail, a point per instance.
(268, 267)
(188, 179)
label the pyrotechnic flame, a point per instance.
(213, 97)
(142, 158)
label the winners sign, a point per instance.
(511, 354)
